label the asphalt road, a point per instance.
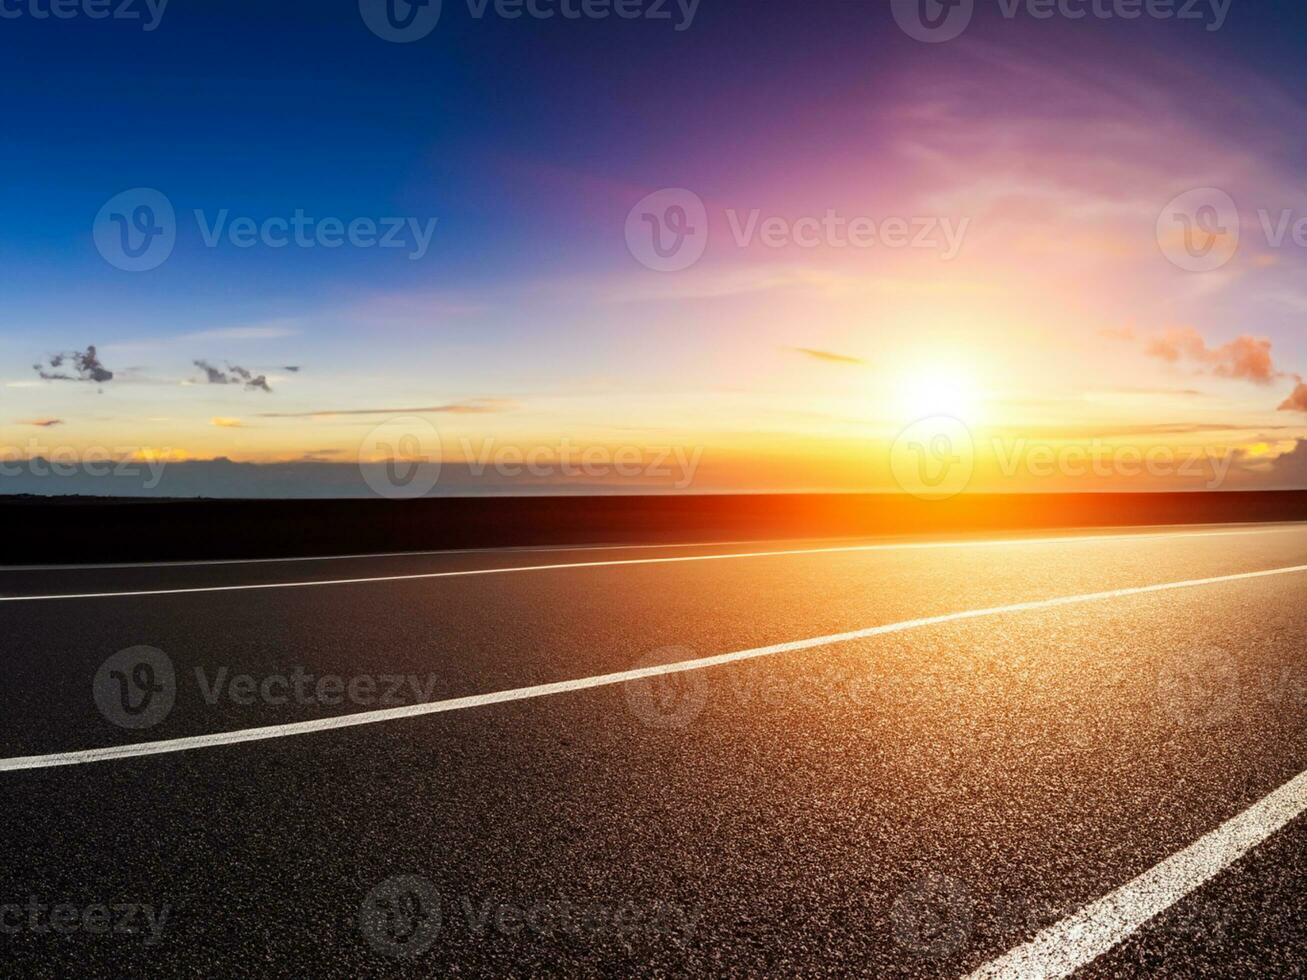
(998, 747)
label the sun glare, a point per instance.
(937, 390)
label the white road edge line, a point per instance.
(462, 573)
(1096, 929)
(165, 746)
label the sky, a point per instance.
(700, 247)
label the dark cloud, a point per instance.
(83, 365)
(43, 423)
(234, 375)
(292, 368)
(825, 355)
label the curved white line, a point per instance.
(585, 683)
(464, 573)
(1096, 929)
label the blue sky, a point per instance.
(528, 141)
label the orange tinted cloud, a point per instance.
(825, 355)
(1296, 402)
(1244, 357)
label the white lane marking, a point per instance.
(463, 573)
(1081, 938)
(585, 683)
(1141, 531)
(364, 556)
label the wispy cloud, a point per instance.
(43, 423)
(226, 423)
(234, 375)
(825, 355)
(265, 332)
(74, 366)
(477, 406)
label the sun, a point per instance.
(937, 390)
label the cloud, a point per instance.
(43, 423)
(234, 375)
(1245, 357)
(476, 406)
(272, 331)
(825, 355)
(226, 423)
(1297, 401)
(85, 366)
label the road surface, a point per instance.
(1021, 757)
